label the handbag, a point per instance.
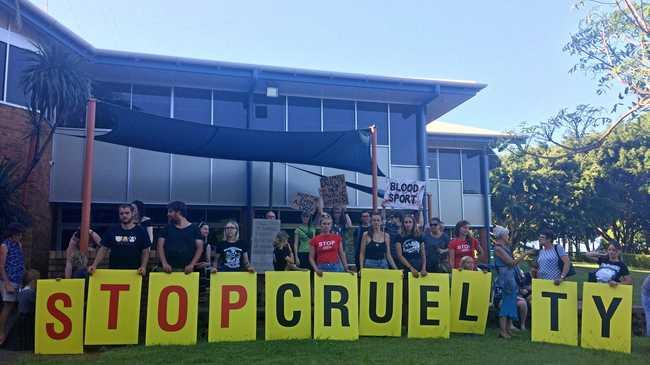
(560, 263)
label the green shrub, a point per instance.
(638, 261)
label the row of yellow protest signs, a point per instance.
(341, 310)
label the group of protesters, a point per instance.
(381, 240)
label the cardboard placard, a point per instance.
(114, 306)
(404, 194)
(334, 191)
(555, 312)
(305, 203)
(264, 232)
(428, 312)
(287, 305)
(59, 322)
(233, 306)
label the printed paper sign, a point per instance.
(59, 317)
(287, 305)
(404, 194)
(264, 232)
(233, 306)
(555, 313)
(428, 310)
(172, 308)
(380, 313)
(334, 191)
(470, 300)
(607, 317)
(114, 307)
(305, 203)
(336, 307)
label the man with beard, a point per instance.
(127, 242)
(180, 245)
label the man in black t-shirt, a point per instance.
(127, 242)
(180, 245)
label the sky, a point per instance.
(515, 47)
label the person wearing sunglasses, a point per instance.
(231, 253)
(435, 244)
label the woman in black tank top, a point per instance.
(375, 247)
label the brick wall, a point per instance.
(14, 144)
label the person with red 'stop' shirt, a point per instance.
(462, 245)
(326, 251)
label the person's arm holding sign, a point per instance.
(105, 246)
(312, 260)
(144, 256)
(389, 256)
(247, 263)
(198, 251)
(423, 257)
(161, 255)
(296, 243)
(362, 251)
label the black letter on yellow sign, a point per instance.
(464, 299)
(555, 298)
(373, 303)
(340, 305)
(279, 305)
(425, 304)
(606, 314)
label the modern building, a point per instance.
(412, 142)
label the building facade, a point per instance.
(454, 164)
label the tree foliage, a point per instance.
(604, 192)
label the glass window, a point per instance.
(114, 93)
(472, 172)
(230, 109)
(304, 114)
(374, 113)
(192, 104)
(432, 162)
(269, 113)
(3, 58)
(403, 137)
(19, 59)
(152, 100)
(338, 115)
(449, 161)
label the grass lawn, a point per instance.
(583, 270)
(460, 349)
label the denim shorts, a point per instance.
(375, 264)
(333, 267)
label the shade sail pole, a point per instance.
(373, 135)
(86, 184)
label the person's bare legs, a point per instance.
(504, 324)
(522, 306)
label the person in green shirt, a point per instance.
(303, 233)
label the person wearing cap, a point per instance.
(12, 269)
(435, 244)
(505, 264)
(611, 269)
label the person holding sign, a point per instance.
(611, 269)
(180, 245)
(76, 262)
(282, 255)
(326, 251)
(232, 253)
(463, 245)
(549, 258)
(505, 263)
(127, 242)
(375, 247)
(302, 235)
(410, 248)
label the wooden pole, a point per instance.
(86, 184)
(373, 135)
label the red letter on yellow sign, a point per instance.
(172, 309)
(114, 306)
(59, 317)
(233, 306)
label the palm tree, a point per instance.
(57, 88)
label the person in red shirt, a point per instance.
(326, 251)
(462, 245)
